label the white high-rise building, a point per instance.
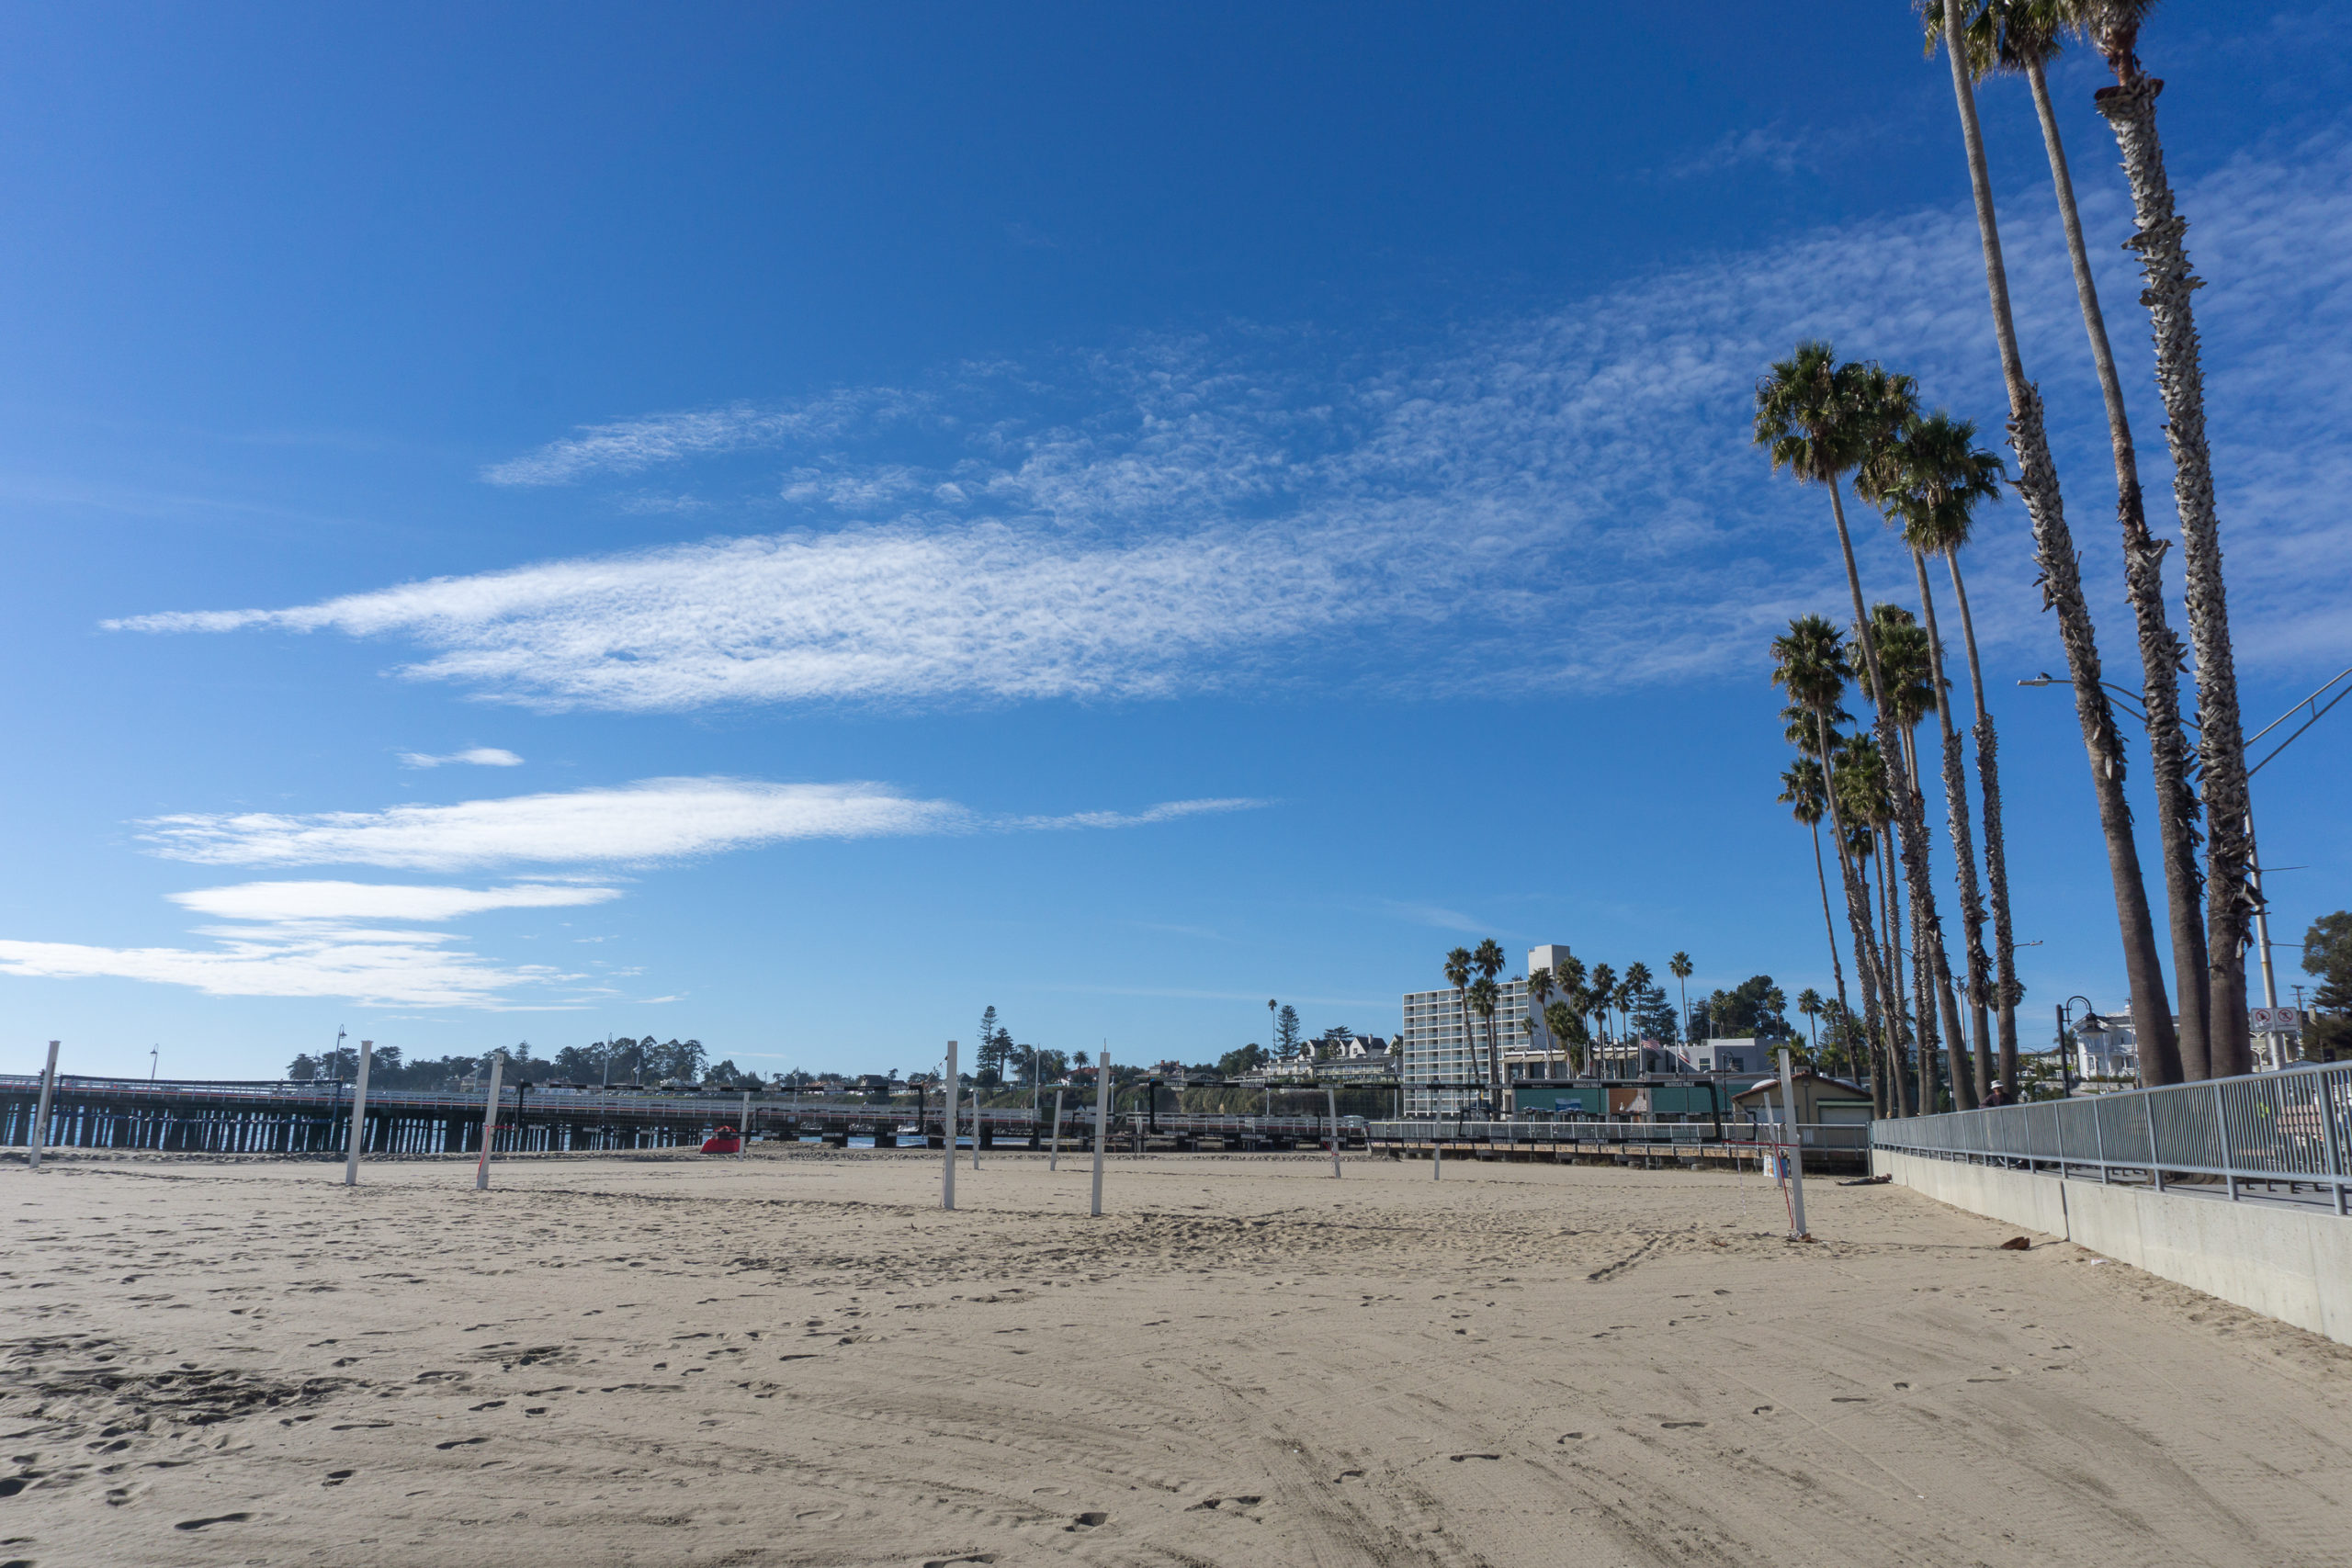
(1434, 1049)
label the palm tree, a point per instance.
(1860, 781)
(1483, 997)
(1679, 967)
(1490, 961)
(1932, 468)
(1956, 476)
(1809, 1004)
(1457, 974)
(1600, 989)
(1636, 981)
(2028, 38)
(1905, 660)
(1803, 791)
(1822, 420)
(1539, 993)
(1566, 1026)
(2130, 109)
(2061, 585)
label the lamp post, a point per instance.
(2088, 1030)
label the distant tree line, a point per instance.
(620, 1061)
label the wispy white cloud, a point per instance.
(626, 446)
(655, 820)
(289, 901)
(1564, 501)
(373, 968)
(652, 820)
(1169, 812)
(479, 757)
(1436, 915)
(1764, 146)
(305, 938)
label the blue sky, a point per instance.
(789, 526)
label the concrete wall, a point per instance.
(2292, 1264)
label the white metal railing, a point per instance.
(1830, 1136)
(2292, 1127)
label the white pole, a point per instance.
(39, 1138)
(743, 1127)
(358, 1115)
(947, 1126)
(1053, 1161)
(975, 1124)
(1796, 1152)
(488, 1121)
(1436, 1157)
(1331, 1103)
(1102, 1120)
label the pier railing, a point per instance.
(1530, 1133)
(2292, 1128)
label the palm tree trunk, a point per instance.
(1922, 981)
(1964, 843)
(2061, 587)
(2130, 109)
(1858, 895)
(1964, 1087)
(1828, 921)
(2160, 649)
(1891, 895)
(1857, 904)
(1469, 1035)
(1909, 817)
(2007, 993)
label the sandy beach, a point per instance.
(797, 1357)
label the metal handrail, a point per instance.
(2292, 1126)
(1446, 1129)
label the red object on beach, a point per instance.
(724, 1141)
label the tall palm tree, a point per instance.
(1485, 996)
(1860, 782)
(1457, 974)
(2062, 586)
(1601, 987)
(1566, 1026)
(1809, 1004)
(1636, 981)
(1811, 665)
(1905, 655)
(1539, 993)
(2129, 107)
(1807, 797)
(1679, 967)
(2024, 36)
(1933, 469)
(1940, 523)
(1823, 420)
(1490, 961)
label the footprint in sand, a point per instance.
(1459, 1458)
(337, 1477)
(215, 1519)
(461, 1443)
(1086, 1520)
(950, 1561)
(1671, 1426)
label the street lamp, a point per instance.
(2088, 1030)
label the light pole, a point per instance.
(2089, 1029)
